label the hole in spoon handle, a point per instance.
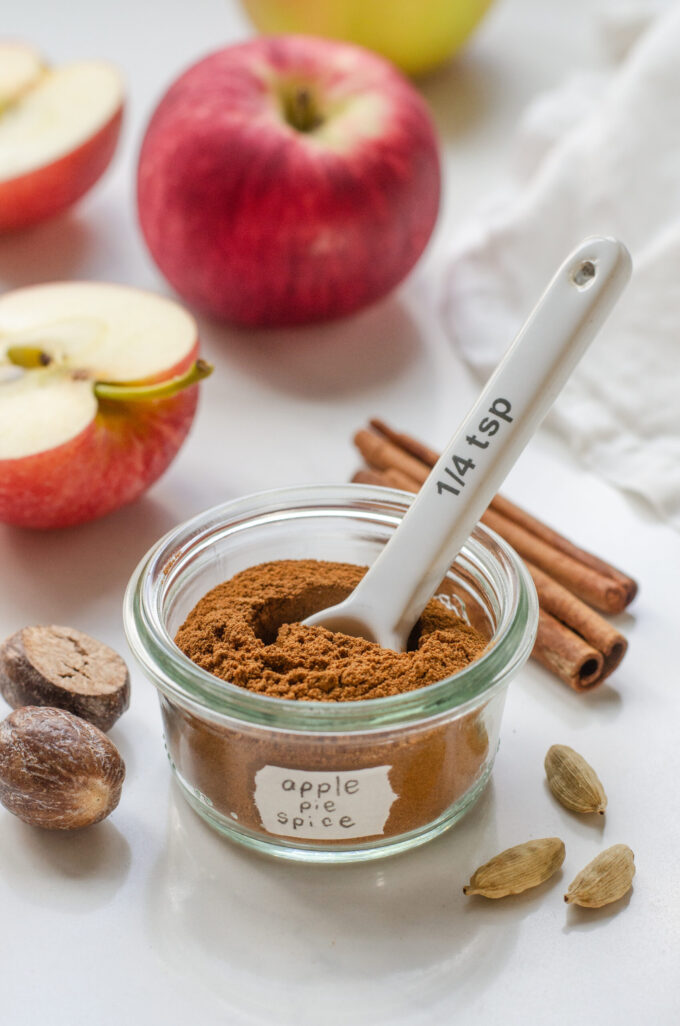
(584, 274)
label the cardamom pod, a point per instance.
(517, 869)
(573, 781)
(607, 878)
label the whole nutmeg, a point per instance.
(57, 770)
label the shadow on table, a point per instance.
(53, 251)
(367, 943)
(323, 361)
(588, 825)
(75, 870)
(70, 568)
(603, 704)
(581, 919)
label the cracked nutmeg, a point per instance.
(64, 668)
(57, 771)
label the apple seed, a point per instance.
(28, 356)
(62, 667)
(57, 771)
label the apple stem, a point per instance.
(301, 110)
(28, 356)
(160, 390)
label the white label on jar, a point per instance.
(334, 804)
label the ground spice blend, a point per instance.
(329, 787)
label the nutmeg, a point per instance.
(56, 770)
(62, 667)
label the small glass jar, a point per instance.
(326, 781)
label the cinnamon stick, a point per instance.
(384, 455)
(573, 658)
(428, 457)
(573, 641)
(567, 655)
(387, 479)
(559, 602)
(520, 516)
(373, 477)
(594, 588)
(410, 445)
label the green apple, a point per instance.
(417, 35)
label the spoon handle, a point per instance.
(493, 434)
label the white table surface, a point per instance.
(151, 918)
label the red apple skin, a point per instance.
(109, 464)
(254, 223)
(51, 189)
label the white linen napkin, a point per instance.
(600, 156)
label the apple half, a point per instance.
(58, 131)
(97, 393)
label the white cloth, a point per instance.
(600, 156)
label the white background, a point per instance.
(150, 918)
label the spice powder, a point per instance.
(247, 631)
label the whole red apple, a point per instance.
(58, 131)
(287, 180)
(96, 398)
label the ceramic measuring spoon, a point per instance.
(389, 599)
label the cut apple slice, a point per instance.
(85, 425)
(58, 132)
(40, 414)
(20, 67)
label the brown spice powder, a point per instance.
(245, 631)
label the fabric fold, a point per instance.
(611, 168)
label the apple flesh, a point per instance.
(96, 396)
(20, 67)
(417, 35)
(58, 131)
(288, 180)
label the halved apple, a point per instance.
(96, 397)
(58, 131)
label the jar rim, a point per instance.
(204, 694)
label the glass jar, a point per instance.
(325, 781)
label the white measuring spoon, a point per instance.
(389, 599)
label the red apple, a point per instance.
(289, 179)
(96, 398)
(58, 131)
